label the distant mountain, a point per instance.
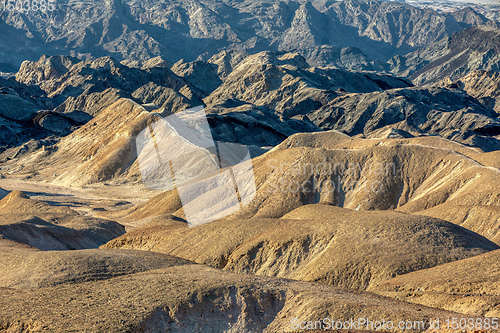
(475, 48)
(139, 30)
(257, 100)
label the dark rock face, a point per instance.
(30, 97)
(451, 114)
(138, 30)
(476, 48)
(19, 103)
(254, 126)
(483, 85)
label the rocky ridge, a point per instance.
(137, 30)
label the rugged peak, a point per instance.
(46, 68)
(275, 59)
(226, 61)
(147, 64)
(469, 16)
(105, 62)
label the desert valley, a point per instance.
(342, 174)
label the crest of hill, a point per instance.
(317, 243)
(423, 163)
(31, 269)
(482, 218)
(46, 227)
(18, 202)
(467, 286)
(334, 140)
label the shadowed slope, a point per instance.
(47, 227)
(3, 193)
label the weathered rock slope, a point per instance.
(482, 85)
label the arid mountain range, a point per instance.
(373, 135)
(139, 30)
